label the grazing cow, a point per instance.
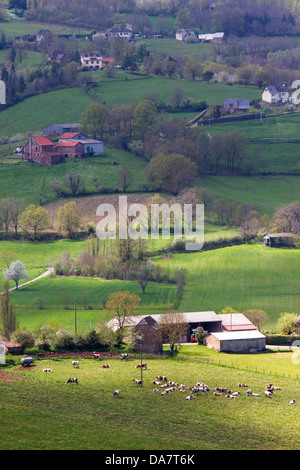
(72, 380)
(162, 377)
(116, 393)
(190, 397)
(75, 364)
(155, 390)
(292, 402)
(235, 394)
(47, 370)
(124, 356)
(230, 396)
(138, 382)
(105, 366)
(249, 392)
(96, 355)
(255, 394)
(268, 393)
(217, 394)
(242, 385)
(221, 389)
(143, 366)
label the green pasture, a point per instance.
(27, 58)
(53, 291)
(243, 277)
(170, 46)
(67, 105)
(36, 112)
(37, 257)
(274, 157)
(266, 194)
(20, 27)
(42, 412)
(24, 179)
(133, 91)
(279, 128)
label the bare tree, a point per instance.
(174, 328)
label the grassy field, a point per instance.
(266, 194)
(36, 112)
(173, 47)
(43, 413)
(67, 105)
(20, 27)
(133, 91)
(25, 179)
(244, 277)
(284, 127)
(157, 299)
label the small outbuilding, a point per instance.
(13, 347)
(236, 341)
(150, 332)
(279, 239)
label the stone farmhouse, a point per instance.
(71, 145)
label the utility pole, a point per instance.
(75, 316)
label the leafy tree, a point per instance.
(93, 120)
(122, 305)
(144, 115)
(171, 172)
(7, 313)
(15, 272)
(68, 219)
(34, 218)
(227, 310)
(286, 323)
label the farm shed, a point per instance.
(233, 105)
(209, 321)
(279, 239)
(149, 330)
(58, 129)
(13, 347)
(236, 341)
(236, 322)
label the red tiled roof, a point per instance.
(68, 135)
(71, 143)
(108, 59)
(43, 141)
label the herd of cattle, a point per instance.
(168, 386)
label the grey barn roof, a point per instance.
(188, 317)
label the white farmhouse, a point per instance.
(184, 34)
(275, 94)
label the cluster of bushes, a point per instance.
(51, 336)
(281, 340)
